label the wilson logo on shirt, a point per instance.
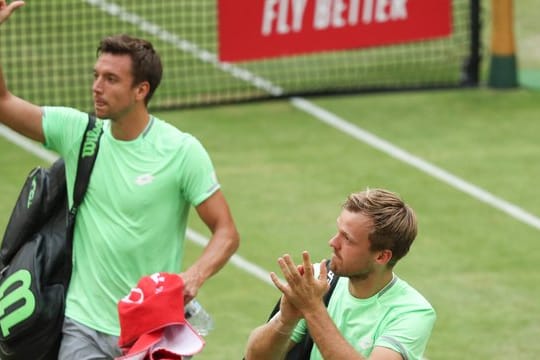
(144, 179)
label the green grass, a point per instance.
(286, 174)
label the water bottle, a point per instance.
(198, 317)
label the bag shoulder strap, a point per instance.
(87, 158)
(332, 280)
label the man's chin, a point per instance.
(333, 263)
(100, 112)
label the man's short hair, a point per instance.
(146, 63)
(394, 222)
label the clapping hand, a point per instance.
(302, 291)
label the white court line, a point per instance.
(27, 144)
(430, 169)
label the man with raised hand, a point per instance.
(147, 175)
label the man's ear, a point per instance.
(141, 90)
(384, 256)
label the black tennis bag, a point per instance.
(36, 257)
(36, 267)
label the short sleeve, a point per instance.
(63, 127)
(199, 180)
(409, 333)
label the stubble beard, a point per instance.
(358, 275)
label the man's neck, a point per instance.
(130, 126)
(363, 288)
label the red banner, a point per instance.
(255, 29)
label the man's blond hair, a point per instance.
(394, 222)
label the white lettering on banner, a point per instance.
(328, 14)
(354, 8)
(321, 19)
(282, 27)
(268, 16)
(299, 6)
(388, 10)
(367, 12)
(380, 11)
(339, 13)
(279, 17)
(398, 11)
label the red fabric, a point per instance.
(152, 321)
(156, 302)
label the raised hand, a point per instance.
(303, 291)
(6, 10)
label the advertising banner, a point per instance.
(256, 29)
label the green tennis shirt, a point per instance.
(132, 221)
(398, 317)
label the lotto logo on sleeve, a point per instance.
(255, 29)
